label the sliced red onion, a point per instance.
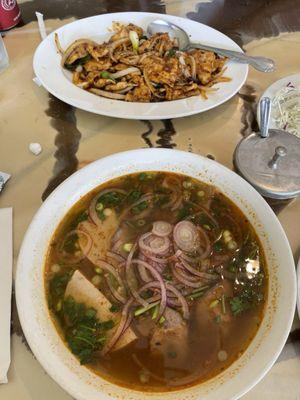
(117, 245)
(206, 245)
(109, 268)
(115, 292)
(115, 256)
(182, 300)
(142, 270)
(87, 247)
(132, 289)
(154, 244)
(186, 236)
(161, 228)
(181, 278)
(183, 272)
(194, 271)
(156, 275)
(155, 259)
(177, 203)
(120, 329)
(172, 289)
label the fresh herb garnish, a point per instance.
(111, 199)
(57, 287)
(70, 243)
(115, 308)
(79, 61)
(140, 207)
(238, 305)
(85, 334)
(184, 212)
(134, 195)
(83, 216)
(171, 52)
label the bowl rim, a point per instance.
(20, 292)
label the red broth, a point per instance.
(181, 235)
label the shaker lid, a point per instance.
(270, 160)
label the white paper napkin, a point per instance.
(6, 252)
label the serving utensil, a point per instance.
(262, 64)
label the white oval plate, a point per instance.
(42, 336)
(271, 92)
(46, 64)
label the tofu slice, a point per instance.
(83, 291)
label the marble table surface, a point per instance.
(71, 138)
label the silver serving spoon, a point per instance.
(262, 64)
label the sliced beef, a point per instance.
(170, 340)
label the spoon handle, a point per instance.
(262, 64)
(265, 113)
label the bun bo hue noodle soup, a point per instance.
(156, 281)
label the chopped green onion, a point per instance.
(144, 376)
(127, 247)
(133, 36)
(207, 227)
(162, 320)
(99, 207)
(187, 184)
(196, 295)
(59, 305)
(142, 310)
(141, 222)
(105, 75)
(223, 304)
(155, 311)
(98, 270)
(214, 303)
(171, 52)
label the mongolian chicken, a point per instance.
(133, 67)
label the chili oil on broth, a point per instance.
(223, 317)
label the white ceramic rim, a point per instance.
(46, 65)
(57, 359)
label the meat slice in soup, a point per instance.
(171, 339)
(156, 281)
